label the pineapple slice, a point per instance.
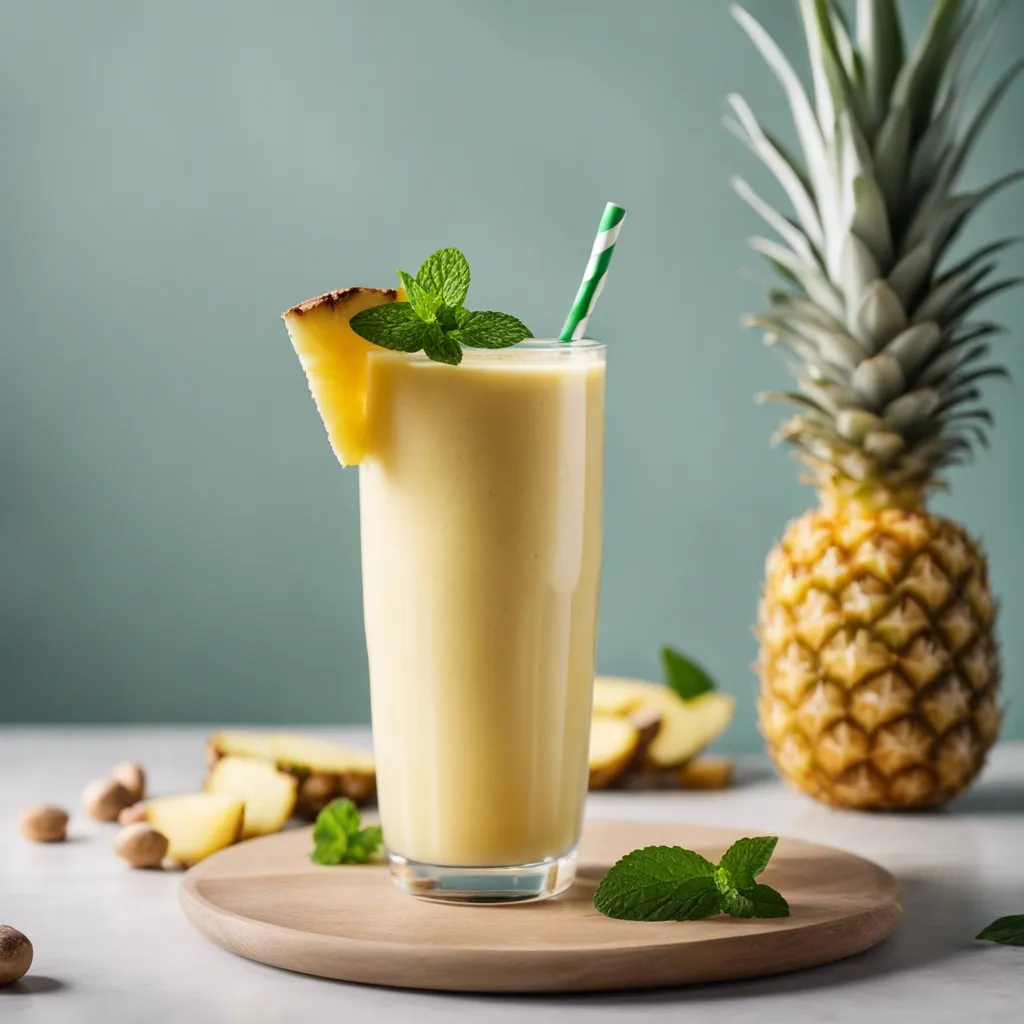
(269, 794)
(324, 770)
(686, 726)
(334, 359)
(196, 824)
(613, 747)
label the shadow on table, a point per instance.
(32, 985)
(943, 913)
(992, 798)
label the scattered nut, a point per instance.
(105, 799)
(140, 845)
(15, 954)
(44, 823)
(132, 776)
(134, 813)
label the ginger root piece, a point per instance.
(269, 794)
(706, 773)
(325, 770)
(686, 726)
(196, 824)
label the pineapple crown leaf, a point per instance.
(879, 323)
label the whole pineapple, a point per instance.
(878, 664)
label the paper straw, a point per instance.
(596, 272)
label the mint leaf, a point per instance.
(491, 330)
(1007, 931)
(756, 901)
(446, 275)
(441, 346)
(424, 304)
(448, 317)
(685, 677)
(338, 838)
(394, 325)
(659, 883)
(668, 883)
(746, 859)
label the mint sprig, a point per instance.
(340, 837)
(668, 883)
(434, 319)
(684, 676)
(1007, 931)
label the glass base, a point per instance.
(518, 883)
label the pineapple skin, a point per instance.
(878, 664)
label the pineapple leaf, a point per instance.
(944, 297)
(913, 347)
(988, 250)
(844, 94)
(981, 116)
(777, 161)
(917, 84)
(789, 232)
(871, 219)
(880, 316)
(907, 411)
(879, 380)
(880, 37)
(857, 269)
(807, 127)
(910, 273)
(822, 94)
(976, 298)
(892, 146)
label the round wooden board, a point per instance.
(264, 900)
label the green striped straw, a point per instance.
(596, 272)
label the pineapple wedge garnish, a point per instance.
(196, 824)
(334, 359)
(269, 794)
(687, 727)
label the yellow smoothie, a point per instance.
(481, 506)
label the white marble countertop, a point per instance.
(111, 944)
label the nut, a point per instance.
(132, 776)
(105, 799)
(15, 954)
(134, 813)
(141, 846)
(44, 823)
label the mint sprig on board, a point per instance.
(1007, 931)
(434, 318)
(684, 676)
(668, 883)
(340, 837)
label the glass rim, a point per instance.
(529, 347)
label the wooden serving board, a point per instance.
(264, 900)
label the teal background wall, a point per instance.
(177, 541)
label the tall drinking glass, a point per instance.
(481, 508)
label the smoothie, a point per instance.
(480, 506)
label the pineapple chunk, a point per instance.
(196, 824)
(686, 726)
(334, 359)
(269, 794)
(324, 770)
